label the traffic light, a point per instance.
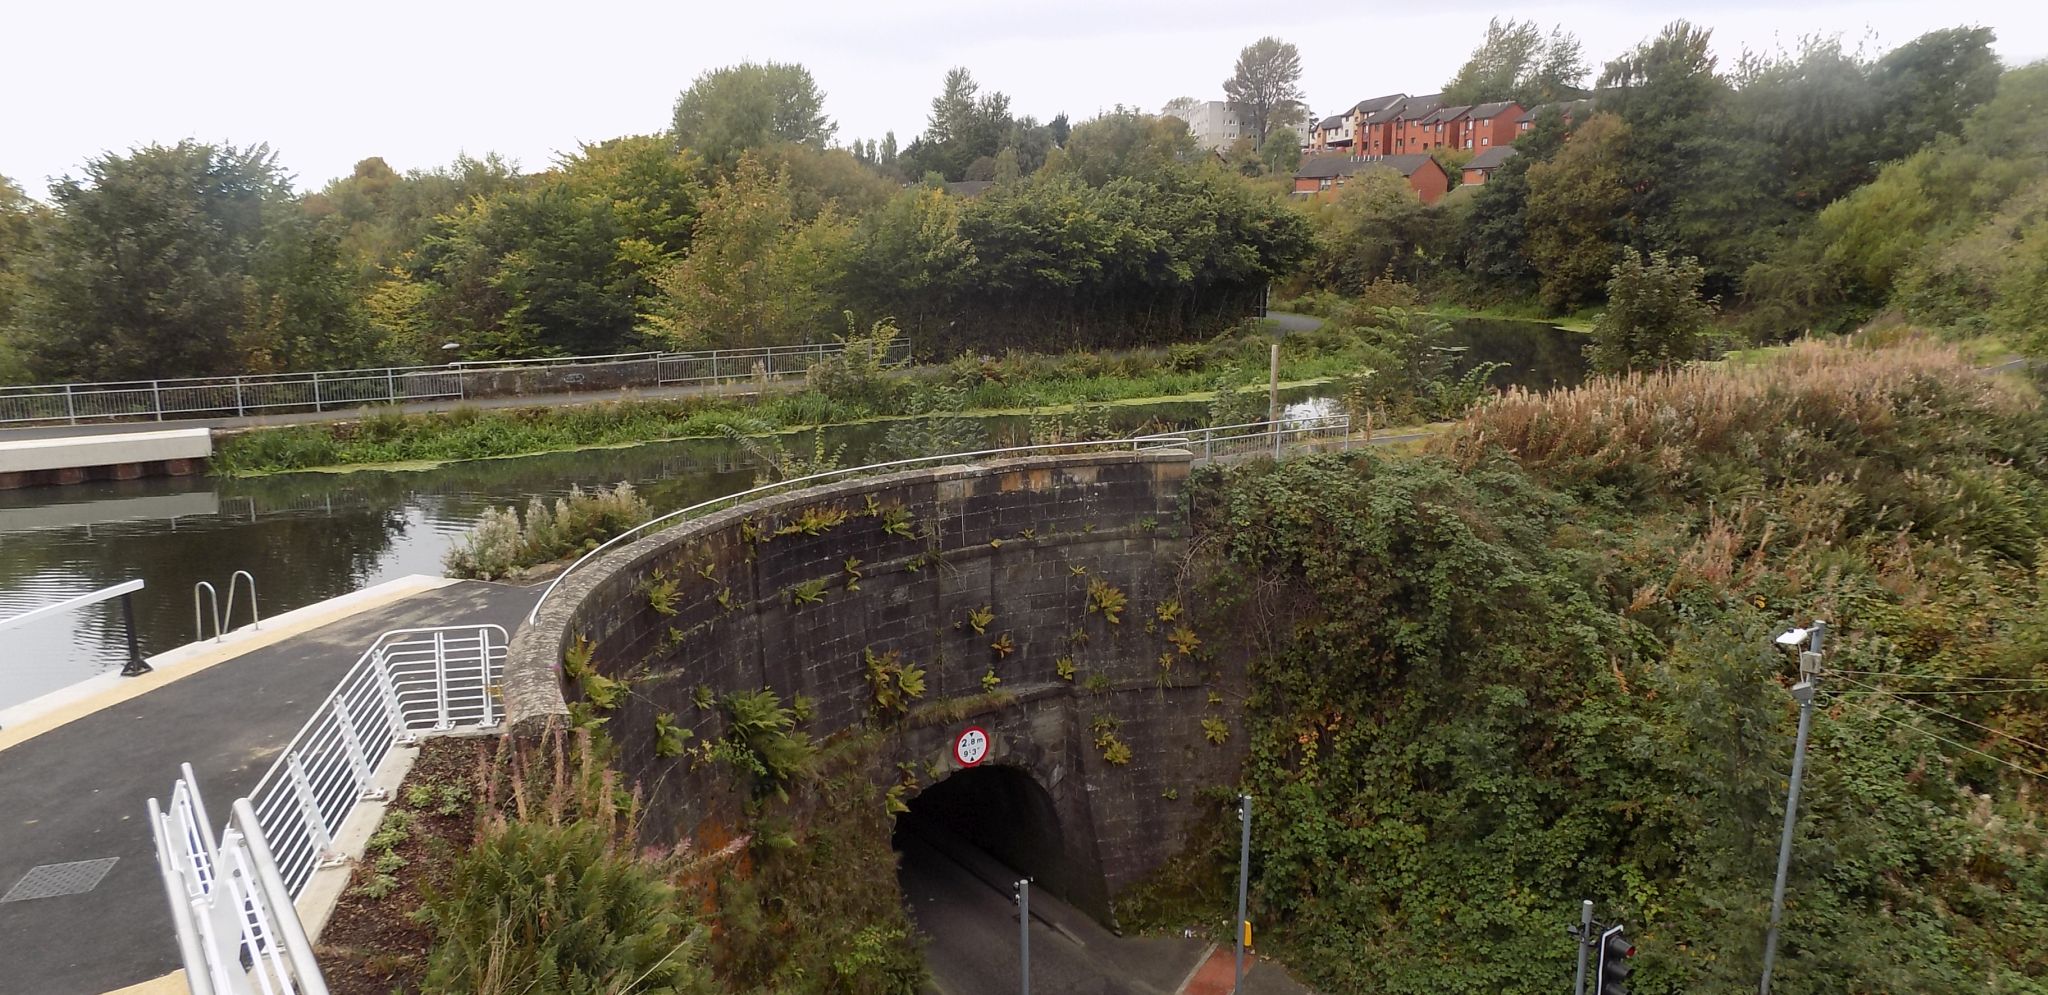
(1615, 950)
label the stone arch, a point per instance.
(1004, 811)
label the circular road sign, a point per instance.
(971, 747)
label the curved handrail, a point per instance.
(1137, 443)
(199, 619)
(255, 615)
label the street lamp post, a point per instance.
(1244, 873)
(1802, 692)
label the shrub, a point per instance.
(863, 373)
(502, 544)
(1655, 317)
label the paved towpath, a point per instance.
(77, 792)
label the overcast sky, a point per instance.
(420, 82)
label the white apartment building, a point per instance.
(1212, 122)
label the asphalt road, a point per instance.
(973, 941)
(77, 792)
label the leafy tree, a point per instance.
(756, 274)
(1281, 152)
(560, 265)
(1517, 62)
(1577, 212)
(965, 125)
(1126, 142)
(1929, 86)
(1493, 239)
(1654, 318)
(184, 260)
(1375, 225)
(730, 110)
(1265, 88)
(20, 217)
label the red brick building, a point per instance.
(1322, 175)
(1397, 128)
(1481, 167)
(1490, 125)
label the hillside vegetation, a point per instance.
(1534, 665)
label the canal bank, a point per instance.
(74, 788)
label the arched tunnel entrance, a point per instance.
(995, 823)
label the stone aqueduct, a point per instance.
(1116, 722)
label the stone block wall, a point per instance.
(792, 592)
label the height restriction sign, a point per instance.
(972, 746)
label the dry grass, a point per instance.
(1811, 397)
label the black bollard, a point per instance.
(136, 666)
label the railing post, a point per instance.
(136, 665)
(440, 680)
(393, 712)
(390, 385)
(239, 408)
(70, 406)
(156, 398)
(309, 809)
(284, 913)
(358, 758)
(316, 391)
(483, 670)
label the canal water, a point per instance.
(307, 537)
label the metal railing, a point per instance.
(237, 928)
(125, 591)
(215, 397)
(1216, 442)
(411, 681)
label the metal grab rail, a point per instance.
(125, 590)
(195, 397)
(199, 618)
(255, 614)
(1276, 433)
(235, 921)
(409, 682)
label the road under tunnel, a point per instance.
(964, 844)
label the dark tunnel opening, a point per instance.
(993, 823)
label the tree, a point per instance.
(1578, 202)
(728, 111)
(1282, 152)
(1493, 242)
(965, 126)
(20, 219)
(1375, 223)
(1516, 62)
(1126, 142)
(1929, 86)
(186, 260)
(1265, 89)
(1654, 318)
(756, 274)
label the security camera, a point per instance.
(1793, 638)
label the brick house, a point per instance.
(1341, 131)
(1323, 174)
(1491, 125)
(1397, 128)
(1527, 119)
(1444, 128)
(1481, 166)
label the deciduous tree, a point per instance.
(1655, 318)
(728, 111)
(1265, 89)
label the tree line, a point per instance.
(1795, 191)
(741, 224)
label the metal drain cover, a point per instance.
(51, 880)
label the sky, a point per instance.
(328, 84)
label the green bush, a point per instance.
(501, 543)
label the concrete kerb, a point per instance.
(533, 665)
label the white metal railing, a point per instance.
(124, 590)
(204, 397)
(237, 928)
(1215, 442)
(410, 682)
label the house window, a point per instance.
(1485, 141)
